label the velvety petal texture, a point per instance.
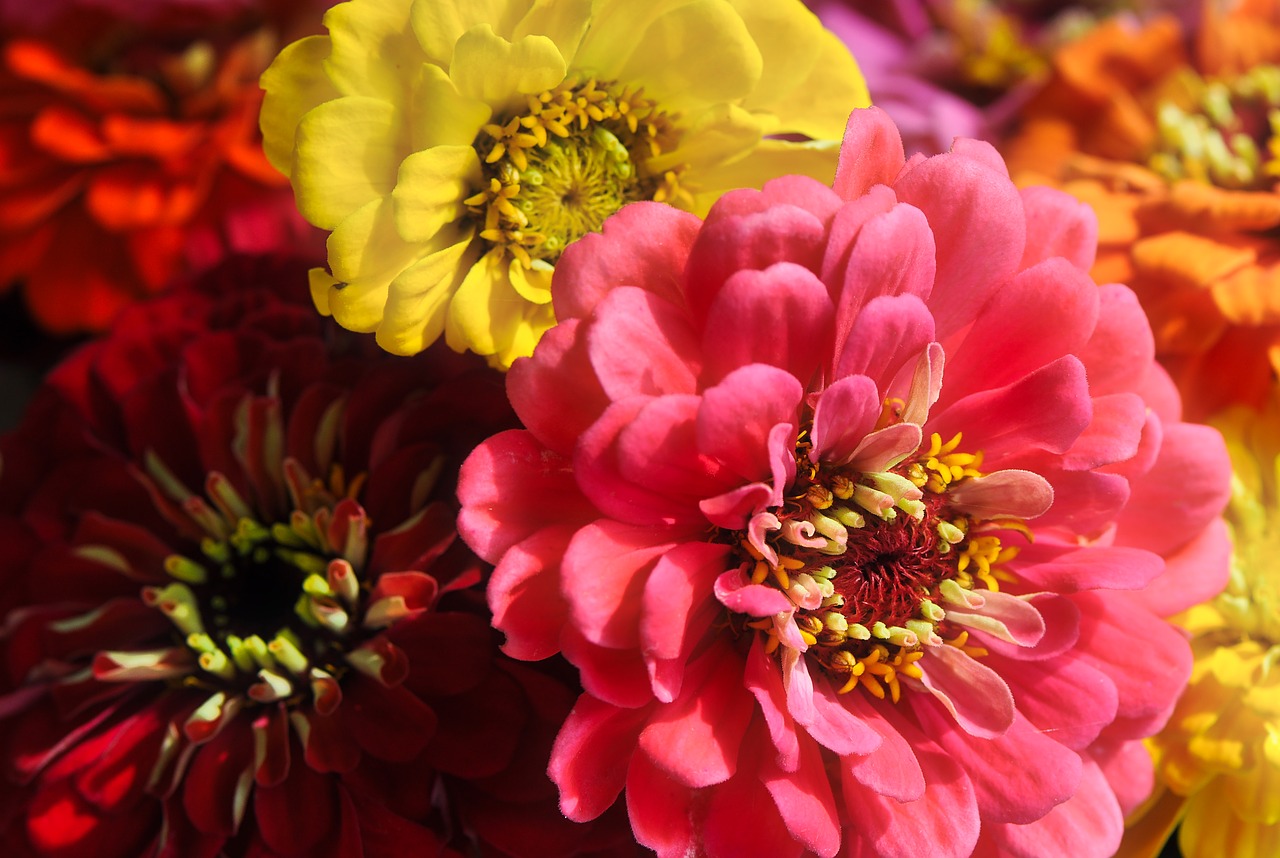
(856, 541)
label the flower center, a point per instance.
(869, 559)
(1221, 132)
(577, 155)
(1250, 603)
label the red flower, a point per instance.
(236, 616)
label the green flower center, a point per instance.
(578, 154)
(1221, 132)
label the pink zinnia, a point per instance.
(823, 595)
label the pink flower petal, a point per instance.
(616, 676)
(1058, 224)
(889, 333)
(1128, 769)
(870, 154)
(1000, 615)
(1088, 824)
(1062, 697)
(1194, 573)
(678, 608)
(884, 448)
(725, 830)
(1018, 777)
(1122, 348)
(1113, 435)
(975, 695)
(781, 316)
(763, 678)
(736, 592)
(630, 322)
(524, 594)
(1021, 494)
(1062, 630)
(805, 800)
(652, 256)
(846, 412)
(1070, 568)
(661, 810)
(982, 152)
(891, 770)
(603, 578)
(659, 450)
(695, 738)
(555, 393)
(735, 508)
(736, 416)
(591, 754)
(838, 727)
(845, 228)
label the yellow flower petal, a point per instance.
(366, 246)
(441, 116)
(431, 187)
(372, 48)
(292, 88)
(533, 285)
(418, 301)
(321, 283)
(722, 133)
(359, 306)
(488, 317)
(487, 67)
(347, 154)
(1209, 831)
(438, 24)
(562, 21)
(771, 158)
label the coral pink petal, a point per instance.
(945, 816)
(1042, 314)
(1009, 787)
(744, 232)
(1113, 435)
(870, 154)
(805, 191)
(1193, 458)
(1069, 568)
(1088, 824)
(975, 695)
(725, 830)
(736, 592)
(805, 800)
(696, 737)
(1194, 573)
(591, 754)
(845, 228)
(643, 245)
(1009, 618)
(889, 332)
(616, 676)
(846, 412)
(891, 770)
(1062, 697)
(892, 255)
(884, 448)
(1083, 501)
(678, 607)
(736, 416)
(524, 594)
(1122, 348)
(555, 393)
(1045, 410)
(982, 152)
(980, 230)
(1058, 224)
(735, 508)
(1148, 678)
(781, 316)
(510, 487)
(603, 579)
(1061, 630)
(837, 727)
(659, 450)
(641, 344)
(763, 677)
(660, 809)
(1128, 769)
(1021, 494)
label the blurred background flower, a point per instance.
(1170, 133)
(454, 156)
(236, 616)
(960, 68)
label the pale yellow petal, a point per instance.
(366, 246)
(294, 83)
(438, 24)
(489, 317)
(696, 54)
(321, 283)
(431, 187)
(562, 21)
(1209, 831)
(358, 306)
(489, 68)
(441, 116)
(372, 46)
(418, 301)
(534, 284)
(348, 152)
(718, 134)
(810, 81)
(772, 158)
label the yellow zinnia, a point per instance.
(1218, 759)
(454, 147)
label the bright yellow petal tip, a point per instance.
(454, 148)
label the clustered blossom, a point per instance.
(847, 504)
(1170, 132)
(236, 617)
(454, 163)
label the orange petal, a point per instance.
(1186, 259)
(69, 134)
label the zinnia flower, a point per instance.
(1171, 135)
(1217, 760)
(236, 617)
(129, 158)
(825, 594)
(455, 151)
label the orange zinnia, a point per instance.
(1174, 138)
(112, 181)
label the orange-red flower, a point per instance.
(121, 168)
(1172, 136)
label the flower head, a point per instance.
(237, 619)
(454, 154)
(1216, 760)
(1170, 133)
(138, 150)
(843, 503)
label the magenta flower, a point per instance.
(824, 595)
